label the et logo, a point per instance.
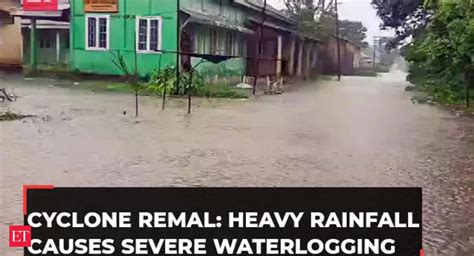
(20, 236)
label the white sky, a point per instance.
(357, 10)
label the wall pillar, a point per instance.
(279, 56)
(58, 47)
(314, 64)
(300, 60)
(33, 46)
(307, 64)
(291, 64)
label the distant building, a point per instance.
(350, 56)
(366, 61)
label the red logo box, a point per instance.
(20, 236)
(40, 5)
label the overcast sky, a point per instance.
(358, 10)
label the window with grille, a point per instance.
(97, 32)
(148, 34)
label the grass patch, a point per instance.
(116, 84)
(221, 91)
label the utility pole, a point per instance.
(178, 45)
(376, 42)
(338, 43)
(260, 48)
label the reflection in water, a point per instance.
(360, 132)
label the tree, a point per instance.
(354, 31)
(441, 57)
(315, 17)
(312, 7)
(407, 17)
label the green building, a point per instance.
(144, 32)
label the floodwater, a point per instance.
(358, 132)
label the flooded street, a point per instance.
(358, 132)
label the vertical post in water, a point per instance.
(374, 65)
(338, 42)
(163, 93)
(58, 47)
(135, 78)
(33, 46)
(190, 87)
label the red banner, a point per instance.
(40, 5)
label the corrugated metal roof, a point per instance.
(274, 25)
(211, 20)
(271, 11)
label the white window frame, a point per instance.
(97, 48)
(148, 33)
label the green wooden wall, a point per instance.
(122, 36)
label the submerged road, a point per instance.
(358, 132)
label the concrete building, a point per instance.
(10, 35)
(45, 33)
(350, 56)
(52, 39)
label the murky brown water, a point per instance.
(360, 132)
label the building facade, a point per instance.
(219, 38)
(10, 35)
(145, 34)
(350, 56)
(45, 33)
(134, 29)
(52, 42)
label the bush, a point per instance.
(165, 80)
(441, 56)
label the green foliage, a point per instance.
(316, 18)
(441, 58)
(162, 81)
(353, 31)
(165, 80)
(220, 70)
